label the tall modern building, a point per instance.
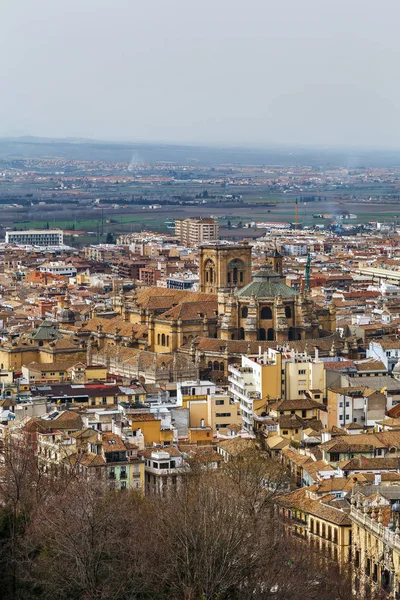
(196, 230)
(36, 237)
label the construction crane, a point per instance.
(307, 273)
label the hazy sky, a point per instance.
(322, 72)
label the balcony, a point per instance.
(248, 396)
(384, 534)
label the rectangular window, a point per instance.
(104, 400)
(302, 371)
(219, 402)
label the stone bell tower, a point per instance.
(224, 266)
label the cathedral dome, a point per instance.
(266, 283)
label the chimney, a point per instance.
(201, 422)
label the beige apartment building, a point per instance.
(196, 230)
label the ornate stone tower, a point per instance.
(224, 266)
(276, 261)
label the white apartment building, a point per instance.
(196, 230)
(387, 351)
(193, 390)
(163, 469)
(295, 249)
(274, 375)
(245, 390)
(58, 268)
(36, 237)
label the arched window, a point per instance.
(210, 364)
(167, 340)
(158, 339)
(221, 366)
(288, 312)
(209, 271)
(163, 339)
(235, 271)
(232, 336)
(216, 365)
(245, 312)
(262, 335)
(266, 313)
(291, 334)
(184, 339)
(241, 333)
(270, 334)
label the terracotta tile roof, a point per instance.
(389, 344)
(155, 297)
(109, 326)
(360, 442)
(68, 420)
(237, 446)
(111, 442)
(333, 484)
(239, 347)
(339, 365)
(394, 412)
(192, 311)
(371, 364)
(88, 459)
(299, 404)
(363, 463)
(290, 422)
(300, 500)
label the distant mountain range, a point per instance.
(84, 149)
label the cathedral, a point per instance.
(259, 307)
(234, 312)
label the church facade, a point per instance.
(260, 307)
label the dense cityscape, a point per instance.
(199, 300)
(259, 361)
